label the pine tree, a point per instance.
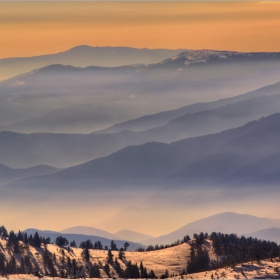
(141, 270)
(126, 245)
(98, 245)
(36, 240)
(152, 275)
(113, 246)
(86, 255)
(2, 263)
(121, 254)
(86, 244)
(94, 271)
(22, 266)
(61, 241)
(73, 244)
(17, 248)
(110, 256)
(11, 266)
(25, 238)
(107, 269)
(28, 264)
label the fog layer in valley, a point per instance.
(129, 148)
(53, 98)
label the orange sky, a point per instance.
(32, 28)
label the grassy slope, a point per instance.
(174, 259)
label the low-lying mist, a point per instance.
(152, 210)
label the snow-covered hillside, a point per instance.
(176, 261)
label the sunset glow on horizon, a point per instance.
(50, 27)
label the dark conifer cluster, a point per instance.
(161, 246)
(232, 249)
(19, 243)
(199, 258)
(229, 249)
(131, 270)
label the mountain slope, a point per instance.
(73, 119)
(272, 234)
(132, 235)
(83, 56)
(135, 89)
(188, 161)
(82, 237)
(90, 231)
(223, 222)
(259, 102)
(69, 149)
(8, 174)
(216, 120)
(174, 260)
(62, 150)
(183, 164)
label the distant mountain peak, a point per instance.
(132, 235)
(81, 47)
(206, 55)
(56, 67)
(88, 231)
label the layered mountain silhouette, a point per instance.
(72, 119)
(83, 56)
(127, 144)
(31, 102)
(132, 235)
(272, 234)
(163, 118)
(128, 235)
(224, 222)
(63, 150)
(227, 222)
(78, 238)
(212, 159)
(8, 174)
(90, 231)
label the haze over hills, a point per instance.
(63, 150)
(128, 235)
(83, 56)
(223, 222)
(189, 160)
(267, 234)
(82, 237)
(89, 231)
(216, 120)
(131, 91)
(73, 119)
(8, 174)
(228, 222)
(182, 175)
(148, 161)
(133, 236)
(162, 118)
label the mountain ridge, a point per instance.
(226, 222)
(159, 161)
(88, 231)
(83, 56)
(131, 89)
(81, 237)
